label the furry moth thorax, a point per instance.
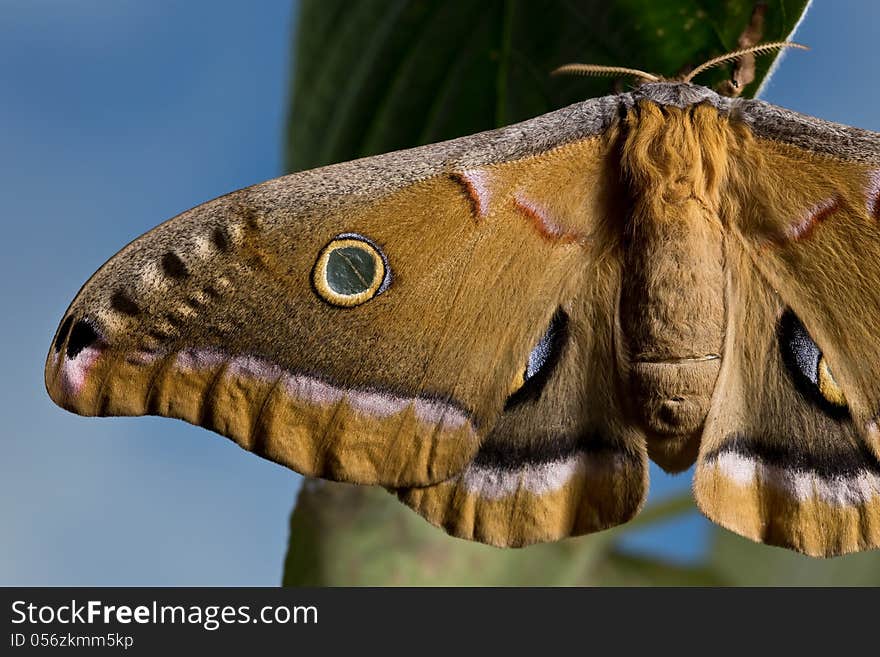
(504, 328)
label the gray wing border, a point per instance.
(374, 176)
(808, 132)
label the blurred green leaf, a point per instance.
(378, 75)
(620, 569)
(744, 563)
(344, 535)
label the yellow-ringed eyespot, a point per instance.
(808, 368)
(350, 271)
(529, 381)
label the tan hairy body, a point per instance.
(675, 164)
(504, 328)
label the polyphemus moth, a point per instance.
(504, 328)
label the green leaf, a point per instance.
(343, 535)
(744, 563)
(620, 569)
(359, 536)
(378, 75)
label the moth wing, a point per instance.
(779, 463)
(810, 220)
(560, 463)
(218, 316)
(789, 450)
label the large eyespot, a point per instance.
(528, 382)
(808, 368)
(350, 270)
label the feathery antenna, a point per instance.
(760, 49)
(595, 69)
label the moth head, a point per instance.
(350, 270)
(808, 368)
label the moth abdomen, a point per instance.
(672, 307)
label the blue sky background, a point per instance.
(117, 114)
